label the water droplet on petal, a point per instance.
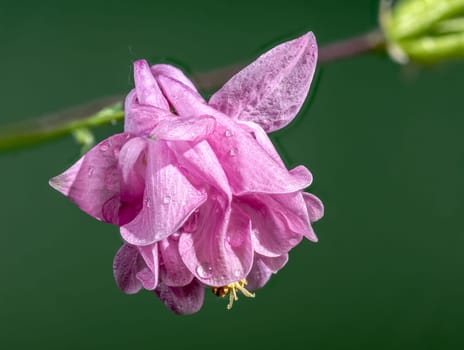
(166, 200)
(147, 202)
(228, 133)
(175, 236)
(104, 147)
(235, 240)
(233, 152)
(237, 273)
(204, 271)
(90, 171)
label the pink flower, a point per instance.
(199, 192)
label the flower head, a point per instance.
(199, 192)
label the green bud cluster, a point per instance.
(424, 31)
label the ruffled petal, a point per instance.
(127, 263)
(185, 100)
(271, 235)
(141, 119)
(249, 166)
(93, 182)
(172, 72)
(192, 129)
(263, 268)
(182, 300)
(272, 89)
(262, 139)
(174, 273)
(293, 208)
(132, 179)
(219, 252)
(148, 91)
(149, 275)
(169, 198)
(200, 164)
(314, 206)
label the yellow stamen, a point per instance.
(231, 289)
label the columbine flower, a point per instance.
(200, 194)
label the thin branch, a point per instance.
(109, 109)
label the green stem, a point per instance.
(61, 123)
(110, 109)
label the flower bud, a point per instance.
(424, 31)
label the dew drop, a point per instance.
(235, 240)
(175, 236)
(228, 133)
(204, 271)
(147, 202)
(166, 200)
(90, 171)
(233, 152)
(237, 273)
(104, 147)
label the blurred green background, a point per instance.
(384, 143)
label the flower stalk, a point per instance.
(109, 110)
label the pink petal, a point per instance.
(173, 73)
(149, 275)
(262, 139)
(93, 182)
(219, 252)
(169, 199)
(182, 300)
(141, 119)
(148, 91)
(201, 165)
(271, 90)
(314, 206)
(132, 170)
(263, 268)
(275, 264)
(293, 208)
(271, 235)
(192, 129)
(174, 273)
(185, 100)
(249, 166)
(132, 178)
(126, 264)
